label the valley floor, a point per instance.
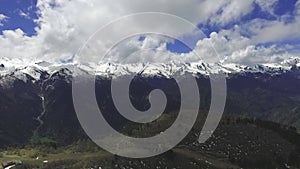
(181, 158)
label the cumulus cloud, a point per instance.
(224, 43)
(151, 49)
(226, 46)
(62, 23)
(252, 55)
(24, 14)
(230, 46)
(2, 18)
(63, 27)
(267, 5)
(232, 10)
(277, 30)
(16, 43)
(274, 31)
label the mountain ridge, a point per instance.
(18, 68)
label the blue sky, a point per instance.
(22, 14)
(13, 10)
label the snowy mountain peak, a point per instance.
(17, 68)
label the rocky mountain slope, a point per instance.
(36, 108)
(38, 94)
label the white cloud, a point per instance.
(65, 25)
(233, 10)
(224, 43)
(257, 55)
(16, 43)
(232, 47)
(133, 50)
(276, 30)
(267, 5)
(24, 14)
(2, 18)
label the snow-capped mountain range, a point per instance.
(20, 69)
